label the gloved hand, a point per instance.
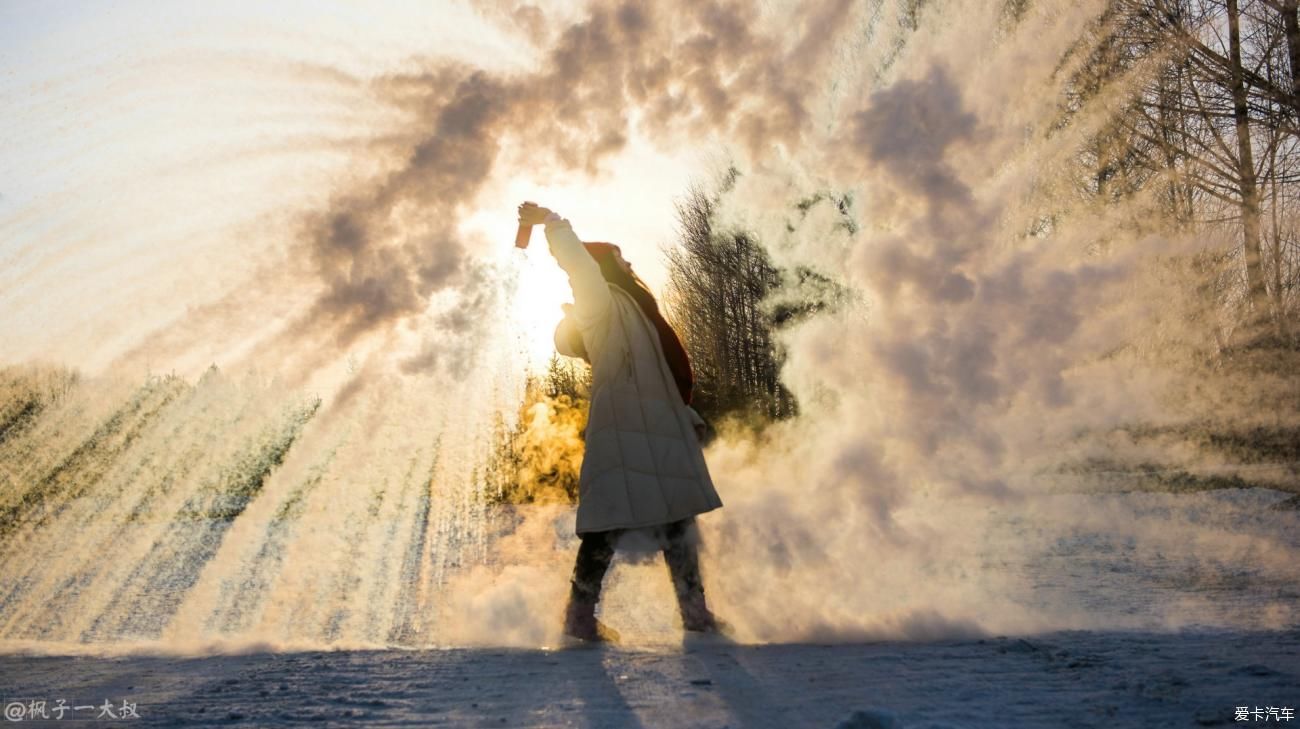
(702, 430)
(530, 213)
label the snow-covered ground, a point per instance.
(1183, 608)
(1074, 679)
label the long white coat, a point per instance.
(643, 464)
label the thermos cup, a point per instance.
(522, 235)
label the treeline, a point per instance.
(1208, 136)
(728, 302)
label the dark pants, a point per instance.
(681, 554)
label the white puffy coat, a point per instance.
(643, 464)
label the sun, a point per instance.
(537, 285)
(541, 287)
(632, 210)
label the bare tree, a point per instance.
(717, 284)
(1212, 123)
(727, 301)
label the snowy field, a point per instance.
(1173, 636)
(1074, 679)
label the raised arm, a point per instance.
(591, 297)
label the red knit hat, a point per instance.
(601, 249)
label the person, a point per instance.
(643, 466)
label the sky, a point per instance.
(153, 153)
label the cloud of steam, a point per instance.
(388, 241)
(932, 422)
(897, 503)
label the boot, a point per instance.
(696, 616)
(594, 556)
(580, 623)
(682, 557)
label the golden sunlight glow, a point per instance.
(542, 287)
(634, 211)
